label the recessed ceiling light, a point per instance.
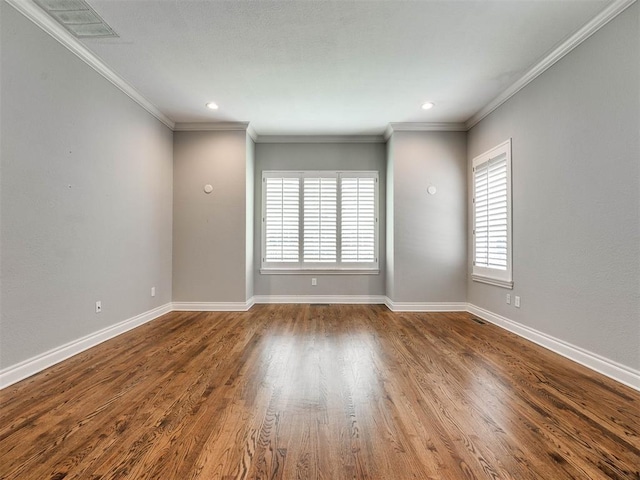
(428, 105)
(212, 106)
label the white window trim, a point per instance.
(492, 276)
(300, 267)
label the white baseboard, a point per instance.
(598, 363)
(341, 299)
(425, 306)
(31, 366)
(621, 373)
(212, 306)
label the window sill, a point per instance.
(493, 281)
(319, 271)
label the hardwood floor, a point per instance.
(319, 392)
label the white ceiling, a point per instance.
(330, 67)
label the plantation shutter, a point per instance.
(320, 219)
(358, 221)
(491, 214)
(281, 222)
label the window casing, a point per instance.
(491, 210)
(319, 221)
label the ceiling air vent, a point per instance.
(77, 17)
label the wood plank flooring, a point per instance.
(319, 392)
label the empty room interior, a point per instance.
(320, 239)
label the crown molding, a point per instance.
(320, 139)
(211, 127)
(252, 133)
(34, 13)
(595, 24)
(427, 127)
(388, 132)
(423, 127)
(216, 127)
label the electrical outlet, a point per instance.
(98, 307)
(153, 291)
(508, 299)
(314, 282)
(517, 301)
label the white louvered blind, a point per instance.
(281, 219)
(492, 252)
(491, 213)
(358, 222)
(320, 219)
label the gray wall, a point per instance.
(89, 203)
(319, 156)
(576, 196)
(209, 230)
(249, 208)
(85, 197)
(429, 231)
(390, 257)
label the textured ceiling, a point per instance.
(330, 67)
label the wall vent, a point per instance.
(78, 17)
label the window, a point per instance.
(492, 216)
(320, 221)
